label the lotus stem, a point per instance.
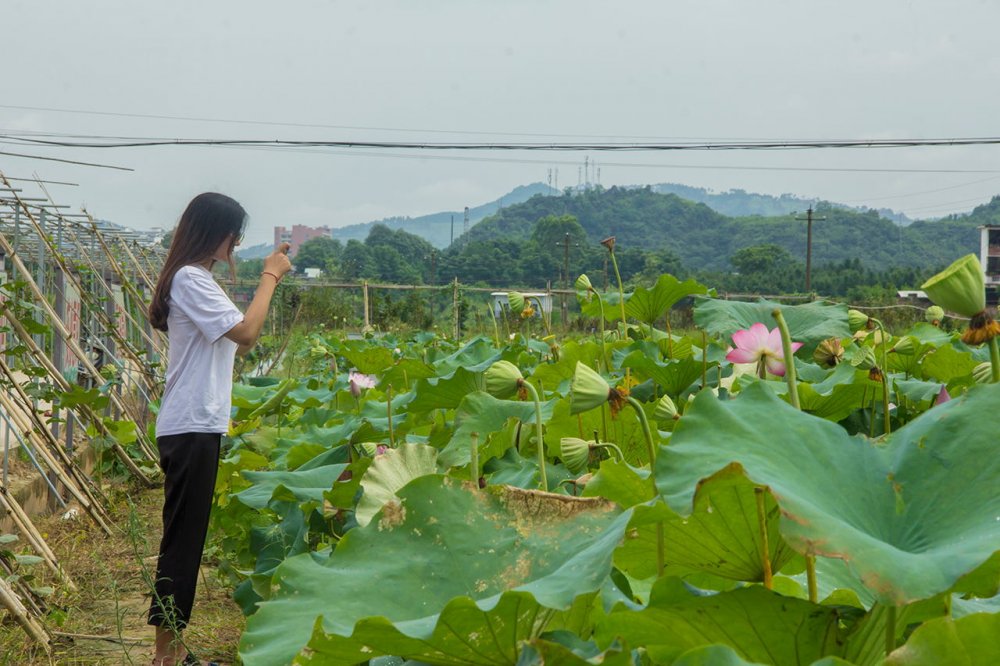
(651, 451)
(613, 447)
(765, 548)
(670, 336)
(995, 359)
(621, 289)
(545, 320)
(496, 329)
(811, 578)
(388, 408)
(786, 350)
(604, 351)
(474, 464)
(890, 629)
(886, 425)
(704, 359)
(646, 432)
(538, 434)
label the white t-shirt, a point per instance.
(198, 393)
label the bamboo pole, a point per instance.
(57, 377)
(83, 481)
(63, 332)
(10, 601)
(68, 274)
(31, 534)
(71, 485)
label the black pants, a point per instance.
(189, 462)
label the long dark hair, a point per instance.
(205, 223)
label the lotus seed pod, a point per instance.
(960, 287)
(665, 409)
(829, 353)
(583, 283)
(857, 320)
(587, 390)
(934, 314)
(317, 351)
(907, 346)
(863, 358)
(503, 379)
(575, 454)
(983, 373)
(516, 300)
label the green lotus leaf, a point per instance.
(612, 310)
(760, 625)
(961, 607)
(445, 392)
(565, 649)
(482, 413)
(391, 471)
(931, 335)
(620, 483)
(302, 485)
(468, 575)
(947, 363)
(910, 517)
(369, 360)
(971, 640)
(673, 377)
(809, 324)
(402, 373)
(477, 355)
(711, 655)
(917, 390)
(720, 537)
(649, 305)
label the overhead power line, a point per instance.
(144, 142)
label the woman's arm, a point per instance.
(245, 333)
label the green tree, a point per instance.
(323, 253)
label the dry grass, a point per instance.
(114, 594)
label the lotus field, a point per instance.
(779, 485)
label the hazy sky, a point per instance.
(501, 71)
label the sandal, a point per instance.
(191, 660)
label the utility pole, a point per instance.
(809, 240)
(565, 244)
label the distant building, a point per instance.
(297, 235)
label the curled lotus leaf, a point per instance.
(909, 516)
(466, 577)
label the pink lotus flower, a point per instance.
(358, 381)
(760, 346)
(942, 396)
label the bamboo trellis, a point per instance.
(74, 294)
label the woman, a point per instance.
(205, 331)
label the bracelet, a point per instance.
(276, 278)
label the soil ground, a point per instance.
(104, 621)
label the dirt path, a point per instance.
(112, 575)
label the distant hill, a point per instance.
(255, 251)
(706, 239)
(740, 203)
(436, 228)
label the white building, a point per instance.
(989, 253)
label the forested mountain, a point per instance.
(436, 228)
(705, 239)
(549, 240)
(740, 203)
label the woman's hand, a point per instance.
(278, 262)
